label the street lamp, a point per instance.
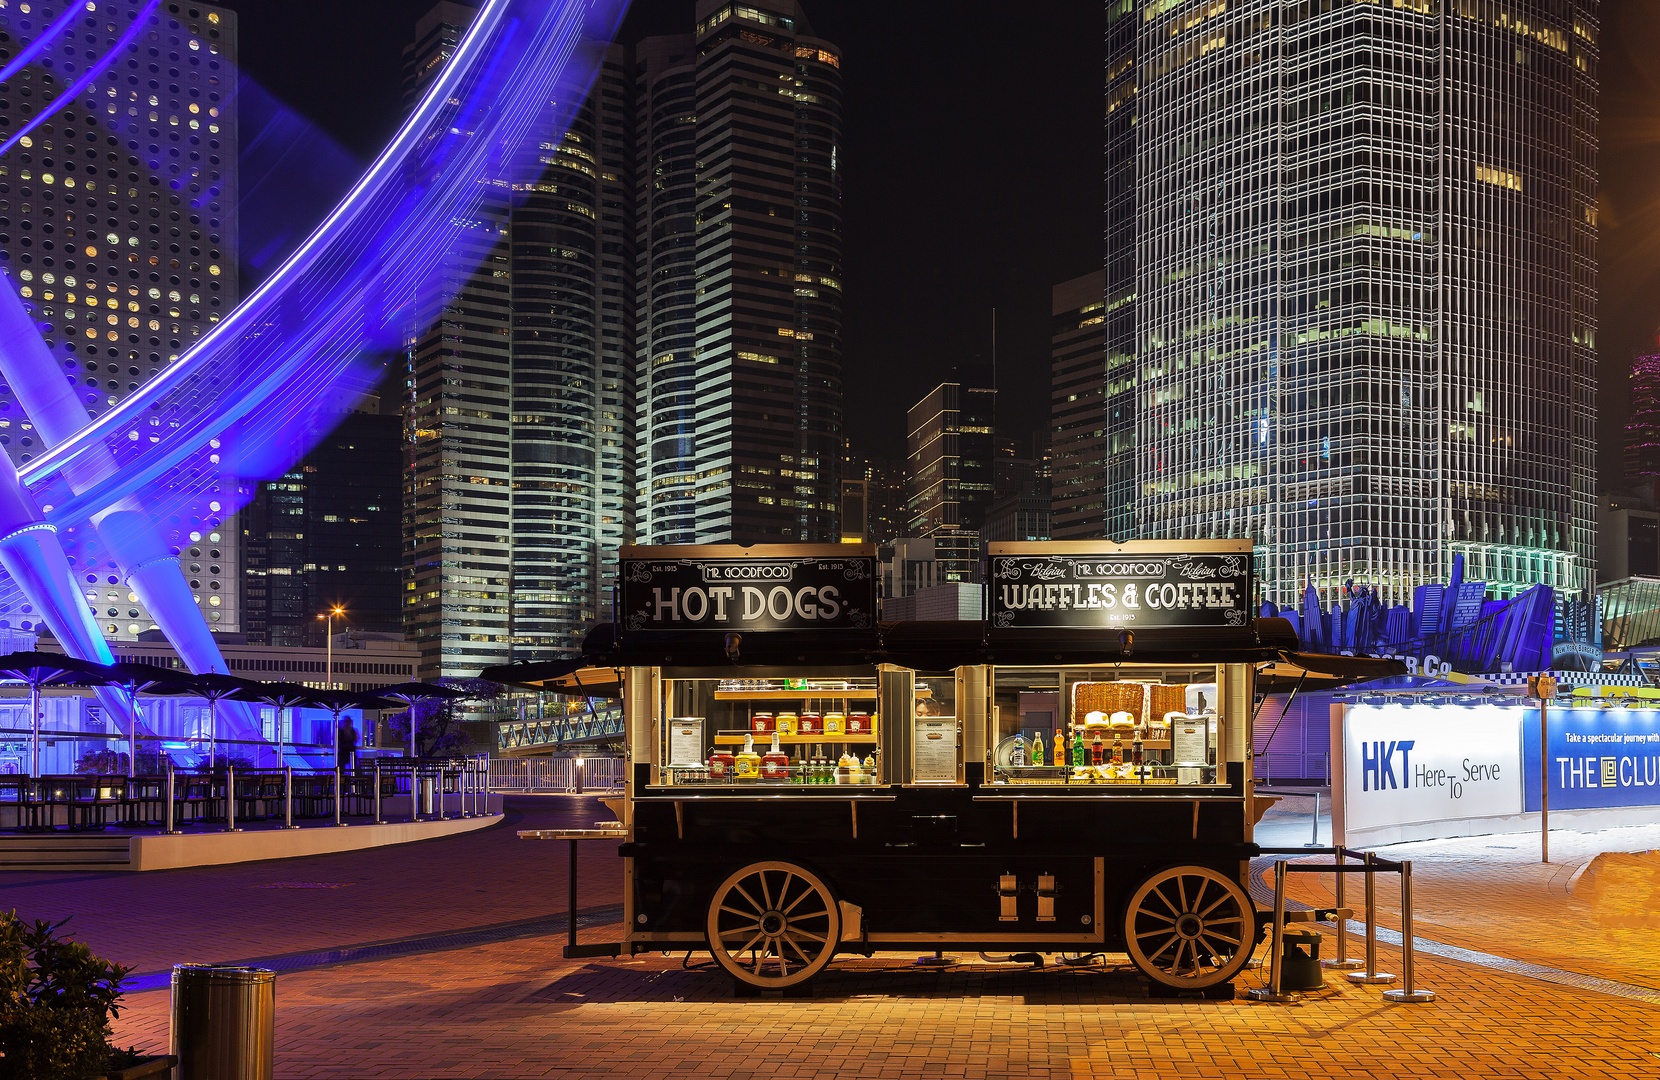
(328, 665)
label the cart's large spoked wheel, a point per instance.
(773, 924)
(1189, 927)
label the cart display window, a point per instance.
(936, 741)
(769, 732)
(1125, 726)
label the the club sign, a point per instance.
(748, 594)
(1132, 591)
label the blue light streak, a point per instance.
(287, 363)
(47, 36)
(68, 96)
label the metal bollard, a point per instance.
(1314, 839)
(1407, 994)
(339, 797)
(288, 797)
(1272, 991)
(224, 1022)
(230, 797)
(379, 820)
(1371, 975)
(1341, 962)
(170, 830)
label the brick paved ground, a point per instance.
(514, 1009)
(1492, 894)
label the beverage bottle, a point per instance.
(1037, 748)
(1137, 754)
(1017, 756)
(1077, 746)
(1095, 750)
(1117, 750)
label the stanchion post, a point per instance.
(171, 792)
(230, 796)
(378, 819)
(1342, 961)
(1407, 994)
(1314, 836)
(339, 795)
(288, 796)
(1275, 946)
(1371, 975)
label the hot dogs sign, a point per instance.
(748, 593)
(1131, 590)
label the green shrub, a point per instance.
(56, 1001)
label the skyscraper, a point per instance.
(1078, 407)
(950, 448)
(641, 341)
(325, 534)
(521, 390)
(1364, 284)
(1642, 430)
(118, 227)
(740, 264)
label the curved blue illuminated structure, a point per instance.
(282, 368)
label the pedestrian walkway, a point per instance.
(442, 960)
(1491, 894)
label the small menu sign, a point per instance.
(1132, 590)
(728, 589)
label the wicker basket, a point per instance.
(1109, 698)
(1167, 699)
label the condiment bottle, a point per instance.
(785, 723)
(720, 764)
(870, 768)
(747, 764)
(776, 764)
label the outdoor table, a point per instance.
(615, 831)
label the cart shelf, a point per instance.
(795, 695)
(796, 740)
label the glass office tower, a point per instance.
(1365, 299)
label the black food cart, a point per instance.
(1069, 775)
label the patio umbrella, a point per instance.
(40, 669)
(337, 701)
(215, 688)
(409, 693)
(285, 696)
(138, 679)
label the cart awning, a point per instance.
(575, 676)
(1318, 671)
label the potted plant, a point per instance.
(56, 1002)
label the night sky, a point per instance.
(973, 165)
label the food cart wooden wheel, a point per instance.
(1189, 927)
(773, 924)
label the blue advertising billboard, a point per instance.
(1596, 758)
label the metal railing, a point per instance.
(553, 775)
(1370, 865)
(436, 789)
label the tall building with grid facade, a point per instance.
(1365, 284)
(520, 390)
(118, 228)
(740, 271)
(1077, 397)
(950, 446)
(1642, 430)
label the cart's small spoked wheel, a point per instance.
(773, 924)
(1189, 927)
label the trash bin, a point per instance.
(224, 1021)
(1300, 961)
(426, 788)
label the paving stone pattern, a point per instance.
(515, 1009)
